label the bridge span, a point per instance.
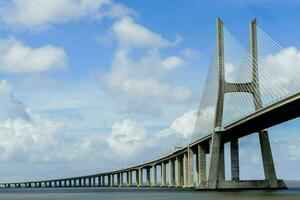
(201, 163)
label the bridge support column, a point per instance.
(154, 175)
(148, 174)
(121, 179)
(140, 175)
(185, 170)
(190, 169)
(163, 174)
(201, 164)
(103, 180)
(118, 179)
(94, 181)
(172, 172)
(111, 180)
(234, 152)
(137, 177)
(129, 178)
(267, 158)
(178, 172)
(221, 173)
(215, 153)
(90, 181)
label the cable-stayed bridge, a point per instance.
(246, 92)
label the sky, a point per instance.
(88, 86)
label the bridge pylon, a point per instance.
(216, 171)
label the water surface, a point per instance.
(143, 194)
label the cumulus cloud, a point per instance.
(29, 137)
(29, 140)
(205, 121)
(40, 140)
(132, 34)
(190, 54)
(142, 78)
(184, 125)
(24, 136)
(285, 66)
(37, 14)
(190, 125)
(128, 138)
(293, 152)
(16, 57)
(172, 62)
(10, 106)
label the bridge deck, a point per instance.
(282, 111)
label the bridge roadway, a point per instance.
(180, 162)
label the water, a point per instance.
(143, 194)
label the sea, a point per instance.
(293, 193)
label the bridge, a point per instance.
(246, 98)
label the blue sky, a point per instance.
(92, 85)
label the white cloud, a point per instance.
(142, 79)
(10, 107)
(25, 136)
(190, 54)
(293, 152)
(37, 14)
(138, 70)
(230, 72)
(129, 141)
(205, 121)
(172, 62)
(131, 34)
(184, 125)
(128, 138)
(284, 66)
(39, 140)
(16, 57)
(29, 140)
(190, 125)
(117, 10)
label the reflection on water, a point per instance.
(145, 194)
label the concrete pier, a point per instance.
(129, 178)
(185, 170)
(140, 179)
(190, 168)
(179, 173)
(234, 153)
(201, 166)
(121, 179)
(154, 175)
(163, 174)
(148, 176)
(172, 172)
